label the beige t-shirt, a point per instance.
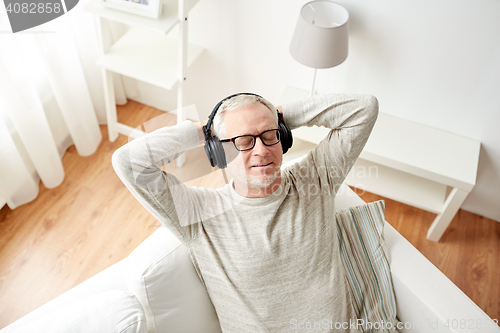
(269, 264)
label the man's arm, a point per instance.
(139, 165)
(333, 111)
(351, 118)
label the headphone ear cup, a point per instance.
(220, 155)
(209, 153)
(215, 153)
(286, 136)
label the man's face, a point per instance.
(258, 168)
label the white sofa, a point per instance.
(174, 300)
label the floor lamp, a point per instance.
(320, 39)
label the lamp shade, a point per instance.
(320, 39)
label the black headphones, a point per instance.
(213, 147)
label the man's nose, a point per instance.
(260, 147)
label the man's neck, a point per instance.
(256, 192)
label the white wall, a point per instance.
(432, 62)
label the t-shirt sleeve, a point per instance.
(350, 118)
(139, 165)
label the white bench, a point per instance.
(408, 162)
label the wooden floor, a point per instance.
(91, 221)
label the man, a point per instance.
(265, 246)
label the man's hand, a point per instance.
(199, 126)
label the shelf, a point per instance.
(163, 25)
(398, 185)
(147, 57)
(424, 151)
(420, 150)
(388, 182)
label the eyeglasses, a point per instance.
(247, 142)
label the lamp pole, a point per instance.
(314, 82)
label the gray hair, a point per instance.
(238, 102)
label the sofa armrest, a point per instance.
(109, 279)
(162, 277)
(426, 299)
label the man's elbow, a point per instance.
(371, 108)
(372, 104)
(119, 160)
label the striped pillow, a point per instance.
(364, 255)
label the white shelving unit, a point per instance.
(145, 53)
(411, 163)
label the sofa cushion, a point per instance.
(113, 311)
(364, 256)
(161, 275)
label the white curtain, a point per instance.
(45, 104)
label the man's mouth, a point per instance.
(261, 165)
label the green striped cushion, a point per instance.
(364, 255)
